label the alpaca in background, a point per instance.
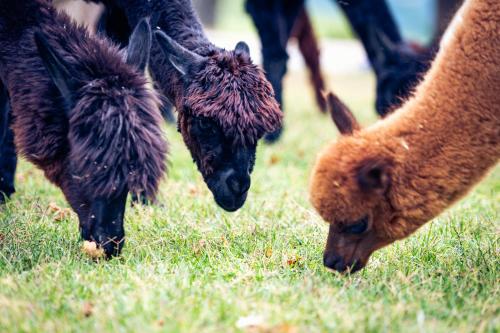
(380, 184)
(82, 114)
(397, 66)
(225, 104)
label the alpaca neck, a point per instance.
(448, 136)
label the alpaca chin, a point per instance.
(104, 224)
(230, 190)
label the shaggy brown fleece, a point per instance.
(380, 184)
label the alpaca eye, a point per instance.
(205, 125)
(358, 228)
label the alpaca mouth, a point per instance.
(230, 203)
(337, 263)
(230, 190)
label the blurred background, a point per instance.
(227, 22)
(415, 17)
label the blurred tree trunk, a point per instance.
(206, 11)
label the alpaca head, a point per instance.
(351, 187)
(115, 144)
(226, 107)
(399, 67)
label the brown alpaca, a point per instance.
(380, 184)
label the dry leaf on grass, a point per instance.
(58, 213)
(256, 324)
(92, 250)
(269, 252)
(274, 159)
(88, 309)
(293, 261)
(249, 322)
(193, 190)
(198, 248)
(224, 240)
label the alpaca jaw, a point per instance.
(103, 223)
(230, 189)
(225, 166)
(347, 253)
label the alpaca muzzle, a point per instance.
(230, 189)
(105, 224)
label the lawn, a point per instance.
(188, 266)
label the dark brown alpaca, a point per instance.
(398, 67)
(380, 184)
(82, 114)
(224, 102)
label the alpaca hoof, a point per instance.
(273, 136)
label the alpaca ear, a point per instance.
(139, 46)
(59, 70)
(342, 116)
(181, 58)
(373, 176)
(242, 48)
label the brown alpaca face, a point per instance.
(227, 106)
(350, 193)
(350, 189)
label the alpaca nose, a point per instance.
(334, 262)
(238, 184)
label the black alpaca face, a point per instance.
(228, 106)
(225, 167)
(94, 179)
(399, 68)
(396, 81)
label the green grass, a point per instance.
(188, 266)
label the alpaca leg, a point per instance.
(365, 15)
(309, 48)
(274, 21)
(446, 9)
(114, 24)
(8, 157)
(396, 66)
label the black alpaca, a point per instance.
(397, 67)
(80, 113)
(8, 157)
(224, 102)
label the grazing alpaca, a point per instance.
(397, 67)
(82, 114)
(380, 184)
(224, 102)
